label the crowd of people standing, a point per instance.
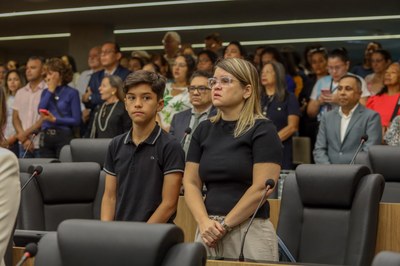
(212, 109)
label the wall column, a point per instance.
(85, 37)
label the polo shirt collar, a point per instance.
(151, 140)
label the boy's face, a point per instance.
(142, 104)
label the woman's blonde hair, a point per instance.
(247, 74)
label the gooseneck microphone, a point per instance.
(37, 171)
(34, 134)
(30, 251)
(363, 140)
(187, 132)
(269, 184)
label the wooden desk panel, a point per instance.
(184, 219)
(17, 255)
(388, 227)
(388, 223)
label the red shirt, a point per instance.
(384, 104)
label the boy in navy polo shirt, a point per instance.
(144, 167)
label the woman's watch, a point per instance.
(226, 227)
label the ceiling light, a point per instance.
(256, 24)
(283, 41)
(37, 36)
(106, 7)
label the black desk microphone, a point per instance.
(269, 184)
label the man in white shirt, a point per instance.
(26, 118)
(341, 129)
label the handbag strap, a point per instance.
(55, 104)
(396, 109)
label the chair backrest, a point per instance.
(62, 191)
(385, 160)
(329, 214)
(25, 163)
(65, 154)
(86, 150)
(363, 159)
(85, 242)
(387, 258)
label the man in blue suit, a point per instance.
(341, 129)
(200, 98)
(109, 57)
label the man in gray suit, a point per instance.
(200, 98)
(341, 129)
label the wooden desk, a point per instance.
(388, 227)
(17, 255)
(388, 223)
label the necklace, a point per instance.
(57, 96)
(269, 99)
(102, 113)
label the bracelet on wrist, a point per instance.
(226, 227)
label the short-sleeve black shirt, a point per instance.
(226, 162)
(140, 172)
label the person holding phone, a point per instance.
(59, 107)
(324, 96)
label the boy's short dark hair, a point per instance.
(154, 80)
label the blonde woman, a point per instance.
(233, 154)
(110, 118)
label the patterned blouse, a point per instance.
(392, 136)
(173, 104)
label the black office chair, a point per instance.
(85, 150)
(329, 214)
(385, 161)
(62, 191)
(85, 242)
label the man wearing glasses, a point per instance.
(184, 123)
(109, 57)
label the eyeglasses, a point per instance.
(199, 89)
(223, 81)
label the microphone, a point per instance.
(269, 184)
(187, 132)
(30, 251)
(37, 171)
(34, 134)
(364, 138)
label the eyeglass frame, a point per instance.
(200, 89)
(228, 81)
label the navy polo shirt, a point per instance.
(140, 172)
